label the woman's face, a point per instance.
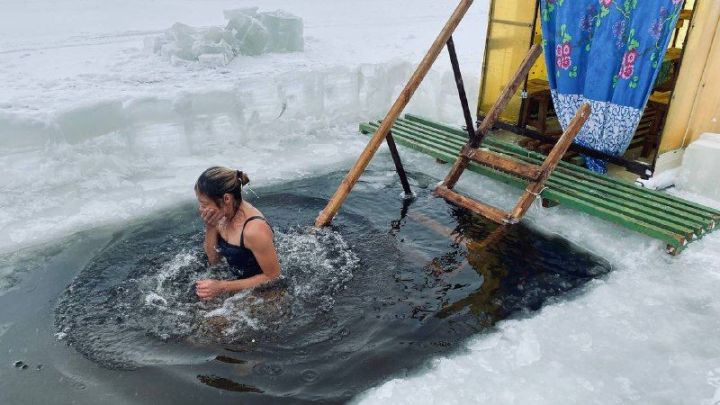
(208, 203)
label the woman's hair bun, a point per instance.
(244, 179)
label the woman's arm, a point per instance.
(210, 245)
(211, 218)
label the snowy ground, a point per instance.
(93, 130)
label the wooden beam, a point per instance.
(487, 123)
(504, 163)
(403, 99)
(533, 189)
(495, 214)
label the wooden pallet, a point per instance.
(673, 220)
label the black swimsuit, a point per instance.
(241, 259)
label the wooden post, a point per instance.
(403, 99)
(533, 189)
(492, 115)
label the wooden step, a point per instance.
(503, 163)
(495, 214)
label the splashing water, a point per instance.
(102, 314)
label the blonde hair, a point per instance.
(217, 181)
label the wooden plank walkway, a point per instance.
(673, 220)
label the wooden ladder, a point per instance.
(536, 175)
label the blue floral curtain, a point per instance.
(607, 53)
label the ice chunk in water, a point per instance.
(701, 163)
(286, 31)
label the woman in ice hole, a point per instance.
(236, 230)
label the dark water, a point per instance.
(111, 314)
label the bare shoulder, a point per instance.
(257, 232)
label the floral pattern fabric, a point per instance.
(607, 53)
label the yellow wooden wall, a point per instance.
(508, 41)
(538, 70)
(695, 105)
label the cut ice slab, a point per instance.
(255, 39)
(276, 31)
(247, 32)
(286, 31)
(701, 163)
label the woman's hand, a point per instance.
(211, 217)
(209, 289)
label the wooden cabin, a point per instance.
(684, 104)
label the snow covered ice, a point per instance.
(248, 32)
(96, 130)
(701, 163)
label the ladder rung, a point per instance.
(498, 162)
(490, 212)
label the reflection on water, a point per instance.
(227, 385)
(389, 286)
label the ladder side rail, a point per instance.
(327, 214)
(508, 92)
(535, 188)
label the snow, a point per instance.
(700, 166)
(660, 181)
(96, 130)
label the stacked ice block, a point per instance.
(248, 32)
